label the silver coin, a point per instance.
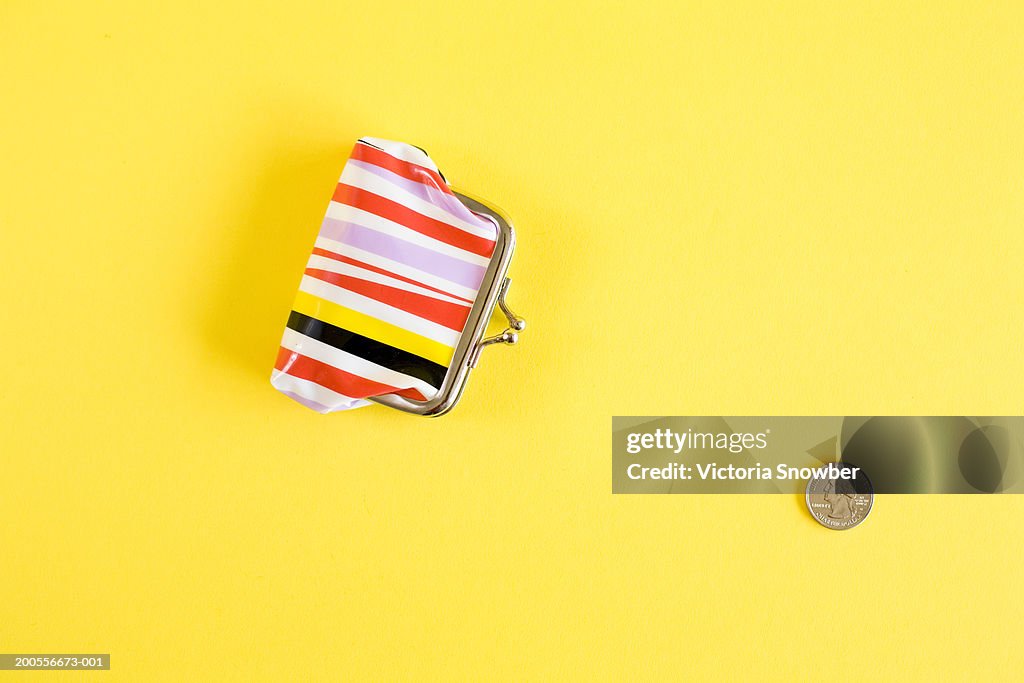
(840, 502)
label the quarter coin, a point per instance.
(837, 502)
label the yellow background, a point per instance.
(722, 209)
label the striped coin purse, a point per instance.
(395, 298)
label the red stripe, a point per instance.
(408, 170)
(452, 316)
(431, 227)
(353, 386)
(351, 261)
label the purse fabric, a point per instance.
(386, 292)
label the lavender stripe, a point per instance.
(427, 193)
(309, 403)
(451, 269)
(275, 379)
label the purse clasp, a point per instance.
(510, 336)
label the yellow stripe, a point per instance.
(360, 323)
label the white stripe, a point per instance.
(396, 267)
(344, 212)
(380, 311)
(364, 180)
(333, 266)
(336, 358)
(403, 151)
(282, 381)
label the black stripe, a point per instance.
(369, 349)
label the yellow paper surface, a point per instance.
(722, 208)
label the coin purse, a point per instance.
(395, 299)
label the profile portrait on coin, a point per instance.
(840, 502)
